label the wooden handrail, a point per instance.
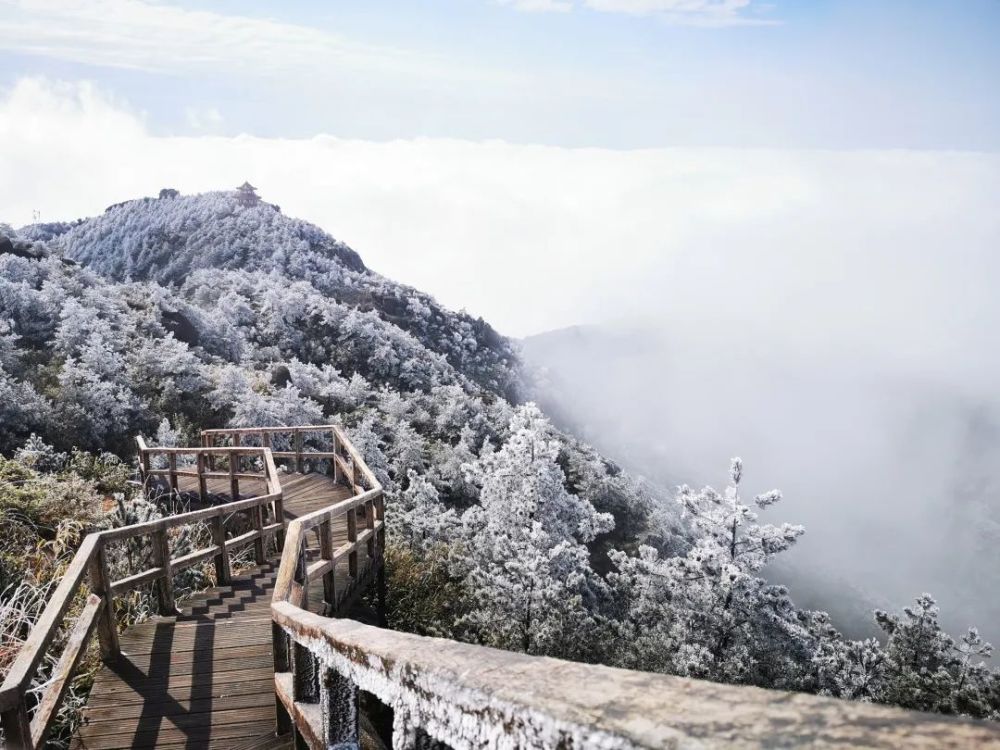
(21, 730)
(296, 572)
(298, 453)
(272, 429)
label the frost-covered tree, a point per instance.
(419, 519)
(249, 400)
(526, 564)
(9, 356)
(91, 409)
(367, 437)
(926, 669)
(22, 410)
(708, 613)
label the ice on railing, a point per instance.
(457, 715)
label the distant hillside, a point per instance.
(858, 454)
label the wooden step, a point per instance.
(270, 742)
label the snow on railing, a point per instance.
(470, 696)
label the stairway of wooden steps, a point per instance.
(205, 677)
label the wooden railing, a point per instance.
(27, 728)
(286, 443)
(306, 700)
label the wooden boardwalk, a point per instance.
(205, 678)
(256, 657)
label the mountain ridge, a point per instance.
(169, 239)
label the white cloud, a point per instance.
(539, 6)
(680, 12)
(206, 119)
(158, 37)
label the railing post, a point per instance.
(223, 572)
(329, 578)
(352, 537)
(370, 525)
(206, 442)
(297, 437)
(279, 649)
(17, 727)
(333, 449)
(234, 481)
(100, 583)
(202, 482)
(172, 464)
(165, 583)
(380, 516)
(302, 577)
(257, 515)
(339, 703)
(337, 478)
(279, 517)
(305, 684)
(144, 465)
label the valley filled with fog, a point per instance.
(893, 474)
(835, 329)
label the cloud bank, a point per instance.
(811, 248)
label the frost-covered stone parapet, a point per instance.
(471, 696)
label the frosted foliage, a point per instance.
(22, 410)
(92, 407)
(367, 439)
(447, 467)
(326, 385)
(166, 437)
(170, 241)
(9, 357)
(525, 561)
(523, 483)
(253, 402)
(419, 519)
(707, 613)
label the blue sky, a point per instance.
(608, 73)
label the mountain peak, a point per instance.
(178, 240)
(167, 238)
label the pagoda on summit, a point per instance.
(246, 195)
